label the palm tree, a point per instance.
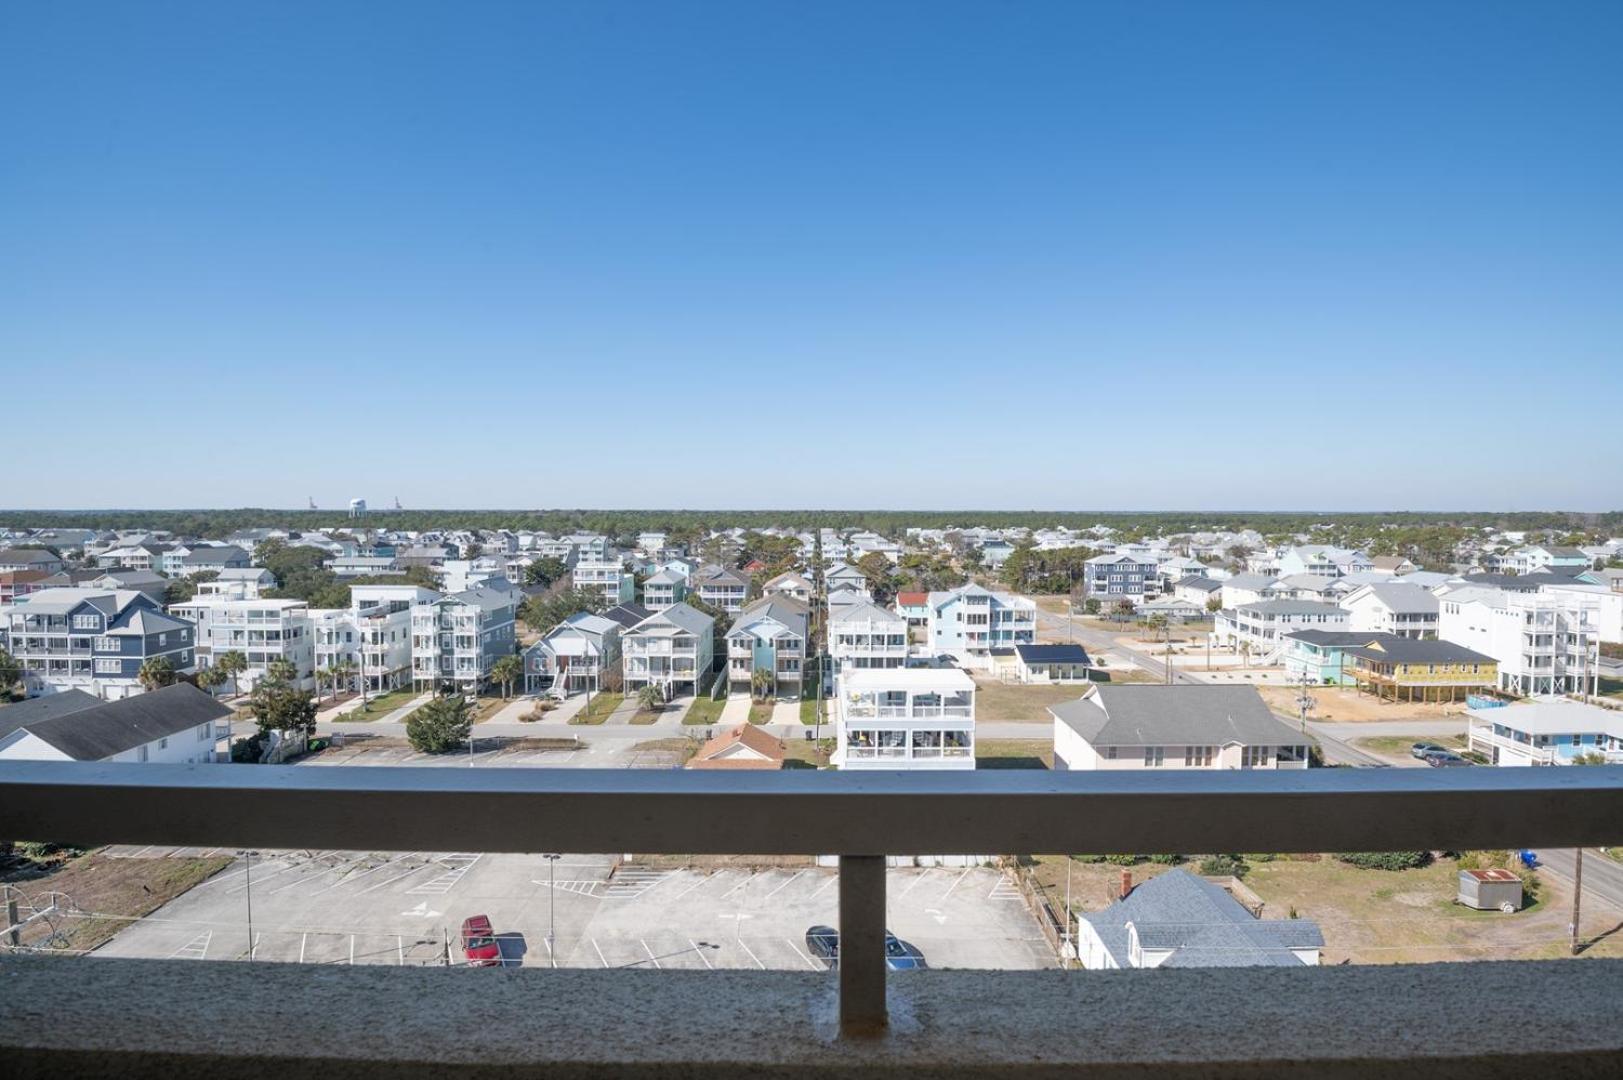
(650, 697)
(323, 676)
(282, 671)
(156, 671)
(340, 673)
(211, 679)
(232, 663)
(507, 671)
(1245, 653)
(760, 683)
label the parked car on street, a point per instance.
(1444, 760)
(479, 944)
(1421, 749)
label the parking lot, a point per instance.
(601, 753)
(405, 908)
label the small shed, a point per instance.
(1489, 890)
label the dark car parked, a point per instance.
(1445, 760)
(823, 942)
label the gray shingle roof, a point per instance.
(112, 727)
(1407, 599)
(1159, 715)
(1203, 924)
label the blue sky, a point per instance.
(1074, 255)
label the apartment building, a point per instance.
(904, 718)
(373, 636)
(1120, 576)
(1392, 608)
(457, 637)
(574, 656)
(721, 588)
(673, 649)
(142, 556)
(609, 577)
(1191, 726)
(1544, 643)
(970, 621)
(1259, 629)
(362, 566)
(265, 631)
(1551, 731)
(865, 635)
(93, 640)
(769, 635)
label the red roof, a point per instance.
(912, 599)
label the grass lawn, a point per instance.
(1012, 703)
(676, 744)
(599, 709)
(704, 712)
(111, 887)
(486, 707)
(1014, 754)
(760, 712)
(808, 711)
(805, 754)
(643, 717)
(1398, 745)
(381, 705)
(1612, 688)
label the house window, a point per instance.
(107, 644)
(1154, 756)
(108, 667)
(142, 754)
(1110, 753)
(86, 622)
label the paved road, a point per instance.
(1095, 641)
(1603, 878)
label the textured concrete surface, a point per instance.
(176, 1019)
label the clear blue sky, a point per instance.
(1004, 255)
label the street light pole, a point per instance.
(248, 892)
(552, 895)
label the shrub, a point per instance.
(1385, 860)
(1224, 866)
(443, 724)
(1122, 860)
(43, 850)
(248, 751)
(1166, 860)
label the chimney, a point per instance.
(1126, 883)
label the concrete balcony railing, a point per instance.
(179, 1018)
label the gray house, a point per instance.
(94, 640)
(1178, 920)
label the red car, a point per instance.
(479, 942)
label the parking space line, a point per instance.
(601, 958)
(699, 884)
(304, 939)
(253, 950)
(915, 883)
(400, 947)
(348, 878)
(551, 956)
(813, 964)
(700, 950)
(649, 951)
(955, 884)
(352, 950)
(783, 885)
(751, 951)
(748, 874)
(390, 881)
(832, 879)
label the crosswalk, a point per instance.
(195, 949)
(456, 867)
(1004, 890)
(631, 882)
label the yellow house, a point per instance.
(1412, 669)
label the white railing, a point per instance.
(813, 813)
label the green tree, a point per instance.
(882, 580)
(11, 673)
(281, 670)
(1214, 604)
(542, 613)
(156, 671)
(650, 697)
(507, 671)
(211, 679)
(233, 663)
(761, 683)
(278, 705)
(441, 725)
(545, 571)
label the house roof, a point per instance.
(1546, 716)
(1403, 598)
(1052, 654)
(1388, 562)
(48, 707)
(683, 615)
(743, 747)
(1254, 582)
(1202, 923)
(627, 615)
(1341, 638)
(26, 556)
(106, 728)
(912, 599)
(1292, 607)
(1145, 714)
(208, 556)
(923, 680)
(1195, 581)
(1391, 648)
(864, 610)
(784, 609)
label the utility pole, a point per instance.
(1577, 891)
(248, 893)
(552, 894)
(1069, 943)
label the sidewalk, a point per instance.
(343, 708)
(735, 712)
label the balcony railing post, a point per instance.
(862, 944)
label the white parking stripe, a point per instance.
(389, 881)
(649, 951)
(352, 950)
(813, 964)
(304, 939)
(400, 948)
(747, 949)
(783, 885)
(832, 880)
(955, 884)
(601, 958)
(915, 883)
(700, 950)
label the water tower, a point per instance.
(357, 508)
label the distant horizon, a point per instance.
(1231, 511)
